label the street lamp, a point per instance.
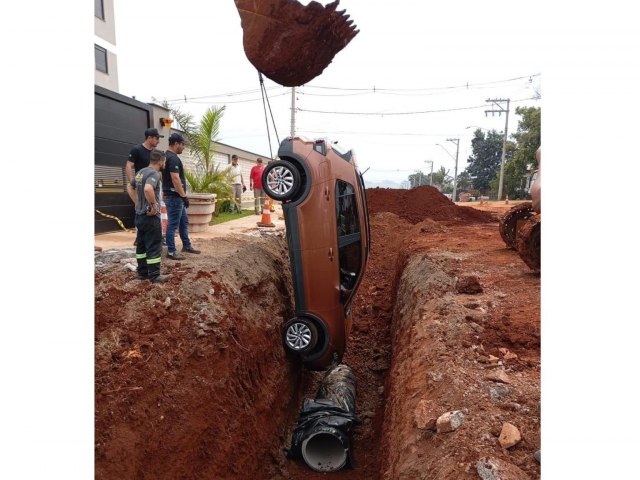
(476, 126)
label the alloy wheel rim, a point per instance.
(298, 336)
(281, 180)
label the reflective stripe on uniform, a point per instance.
(151, 261)
(141, 255)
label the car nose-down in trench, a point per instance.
(327, 227)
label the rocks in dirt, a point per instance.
(509, 436)
(435, 376)
(516, 407)
(450, 421)
(498, 375)
(472, 305)
(130, 266)
(469, 284)
(496, 469)
(537, 456)
(489, 359)
(425, 414)
(507, 355)
(499, 391)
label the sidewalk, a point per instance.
(124, 239)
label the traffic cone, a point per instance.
(164, 218)
(266, 215)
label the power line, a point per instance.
(233, 101)
(368, 90)
(382, 114)
(465, 86)
(184, 98)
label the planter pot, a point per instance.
(200, 211)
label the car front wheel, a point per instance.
(281, 180)
(300, 335)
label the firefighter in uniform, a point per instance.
(144, 189)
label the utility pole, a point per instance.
(455, 171)
(431, 178)
(497, 102)
(293, 111)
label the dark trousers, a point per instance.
(148, 245)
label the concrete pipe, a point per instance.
(321, 438)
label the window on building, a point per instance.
(99, 9)
(101, 59)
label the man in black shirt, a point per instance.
(144, 189)
(174, 187)
(139, 155)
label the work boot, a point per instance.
(143, 277)
(175, 256)
(190, 250)
(160, 278)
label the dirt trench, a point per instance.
(192, 380)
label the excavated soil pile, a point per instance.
(192, 381)
(418, 204)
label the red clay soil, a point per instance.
(198, 386)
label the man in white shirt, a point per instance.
(237, 184)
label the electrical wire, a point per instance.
(368, 90)
(382, 114)
(464, 86)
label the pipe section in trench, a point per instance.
(322, 435)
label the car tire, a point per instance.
(300, 335)
(281, 180)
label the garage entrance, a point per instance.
(119, 125)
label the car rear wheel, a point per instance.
(300, 335)
(281, 180)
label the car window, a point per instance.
(346, 209)
(349, 244)
(350, 263)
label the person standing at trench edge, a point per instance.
(174, 187)
(255, 184)
(144, 189)
(237, 184)
(139, 155)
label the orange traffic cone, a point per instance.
(266, 215)
(164, 218)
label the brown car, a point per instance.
(327, 225)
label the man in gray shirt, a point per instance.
(144, 189)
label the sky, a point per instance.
(586, 53)
(409, 57)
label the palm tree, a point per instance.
(208, 176)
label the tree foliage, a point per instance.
(527, 137)
(208, 176)
(440, 179)
(484, 162)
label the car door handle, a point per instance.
(326, 192)
(331, 254)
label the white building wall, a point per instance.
(105, 37)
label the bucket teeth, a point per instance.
(291, 43)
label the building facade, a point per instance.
(106, 75)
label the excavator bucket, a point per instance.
(291, 43)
